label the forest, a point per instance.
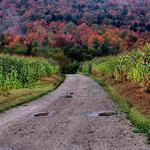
(73, 30)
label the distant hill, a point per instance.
(122, 24)
(131, 14)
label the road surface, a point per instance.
(71, 118)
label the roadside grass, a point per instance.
(20, 96)
(123, 105)
(140, 122)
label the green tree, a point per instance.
(2, 41)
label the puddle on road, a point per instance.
(67, 96)
(71, 93)
(102, 113)
(44, 114)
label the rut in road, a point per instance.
(66, 121)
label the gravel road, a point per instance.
(71, 118)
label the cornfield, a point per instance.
(134, 66)
(17, 72)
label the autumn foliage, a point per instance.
(123, 25)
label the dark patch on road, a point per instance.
(102, 113)
(44, 114)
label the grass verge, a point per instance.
(17, 97)
(140, 122)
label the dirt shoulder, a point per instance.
(134, 93)
(69, 124)
(20, 96)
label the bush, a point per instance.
(71, 68)
(104, 49)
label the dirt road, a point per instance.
(67, 121)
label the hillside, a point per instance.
(47, 22)
(132, 14)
